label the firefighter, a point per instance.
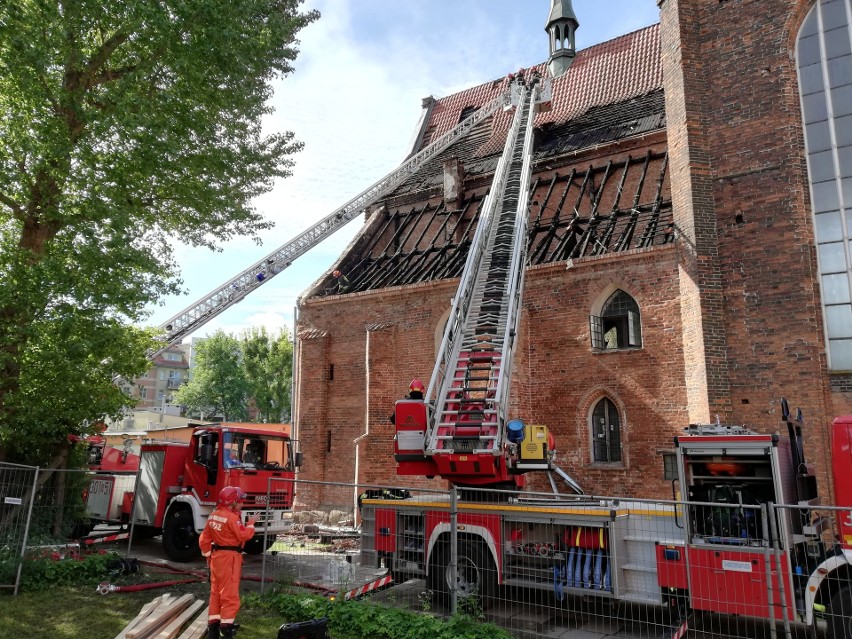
(342, 282)
(222, 542)
(416, 389)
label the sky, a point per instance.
(354, 100)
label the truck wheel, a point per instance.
(180, 541)
(476, 574)
(840, 614)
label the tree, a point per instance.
(268, 365)
(123, 126)
(231, 375)
(218, 385)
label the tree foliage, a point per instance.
(218, 385)
(123, 125)
(268, 365)
(241, 377)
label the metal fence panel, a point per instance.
(54, 514)
(538, 564)
(17, 487)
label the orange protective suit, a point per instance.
(224, 528)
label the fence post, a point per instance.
(454, 549)
(265, 535)
(26, 532)
(132, 527)
(776, 552)
(764, 512)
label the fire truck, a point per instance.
(745, 536)
(750, 538)
(175, 485)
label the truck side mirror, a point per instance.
(298, 459)
(207, 456)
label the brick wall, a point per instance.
(740, 194)
(557, 376)
(731, 316)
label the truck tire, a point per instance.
(180, 541)
(476, 574)
(840, 614)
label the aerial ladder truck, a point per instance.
(461, 430)
(748, 542)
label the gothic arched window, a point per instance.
(619, 324)
(824, 62)
(606, 432)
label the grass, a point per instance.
(59, 600)
(81, 613)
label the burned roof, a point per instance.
(612, 93)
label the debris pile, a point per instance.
(165, 617)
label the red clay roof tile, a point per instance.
(607, 73)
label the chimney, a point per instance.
(453, 181)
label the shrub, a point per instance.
(42, 574)
(365, 620)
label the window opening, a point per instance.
(619, 324)
(669, 466)
(606, 432)
(467, 112)
(823, 57)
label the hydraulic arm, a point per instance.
(234, 290)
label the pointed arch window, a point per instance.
(606, 432)
(824, 61)
(619, 324)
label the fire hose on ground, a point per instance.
(197, 576)
(106, 588)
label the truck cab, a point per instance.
(179, 484)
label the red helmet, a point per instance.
(231, 495)
(416, 386)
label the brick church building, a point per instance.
(688, 253)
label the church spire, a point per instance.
(561, 27)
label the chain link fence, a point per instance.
(559, 566)
(17, 487)
(536, 564)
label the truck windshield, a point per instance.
(258, 452)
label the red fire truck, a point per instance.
(751, 537)
(178, 482)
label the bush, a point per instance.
(365, 620)
(43, 574)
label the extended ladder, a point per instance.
(234, 290)
(466, 423)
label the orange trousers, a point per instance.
(225, 570)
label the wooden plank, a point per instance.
(198, 628)
(171, 631)
(146, 610)
(162, 616)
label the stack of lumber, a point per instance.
(165, 617)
